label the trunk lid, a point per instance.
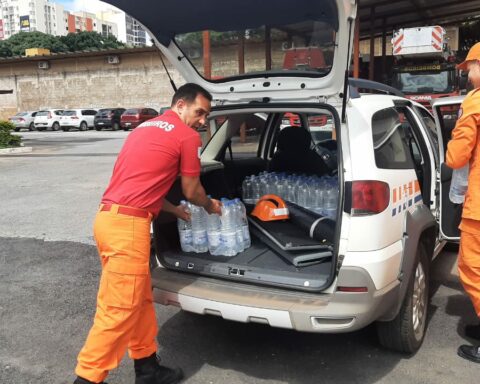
(281, 50)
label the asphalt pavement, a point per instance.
(49, 275)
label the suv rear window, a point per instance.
(389, 140)
(70, 113)
(42, 113)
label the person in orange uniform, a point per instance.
(464, 148)
(149, 162)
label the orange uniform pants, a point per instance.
(469, 261)
(125, 316)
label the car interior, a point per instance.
(241, 145)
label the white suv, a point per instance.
(81, 119)
(386, 151)
(48, 119)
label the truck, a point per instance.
(425, 67)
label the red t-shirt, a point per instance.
(150, 160)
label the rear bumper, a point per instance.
(308, 312)
(128, 124)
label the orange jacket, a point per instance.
(463, 148)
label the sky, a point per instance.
(92, 6)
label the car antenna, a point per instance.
(345, 83)
(168, 73)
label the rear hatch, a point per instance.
(131, 117)
(69, 118)
(104, 117)
(286, 57)
(43, 117)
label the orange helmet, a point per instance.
(270, 208)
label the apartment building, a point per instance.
(85, 21)
(129, 30)
(31, 15)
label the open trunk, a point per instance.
(282, 253)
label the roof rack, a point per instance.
(369, 85)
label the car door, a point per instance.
(445, 111)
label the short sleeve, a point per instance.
(190, 156)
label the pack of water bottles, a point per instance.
(224, 235)
(318, 194)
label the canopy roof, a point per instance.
(390, 14)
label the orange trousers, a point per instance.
(125, 316)
(469, 261)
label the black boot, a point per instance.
(470, 352)
(149, 371)
(81, 380)
(473, 331)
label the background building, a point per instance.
(85, 21)
(31, 15)
(129, 31)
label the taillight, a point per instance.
(74, 117)
(137, 116)
(369, 197)
(110, 115)
(49, 115)
(22, 119)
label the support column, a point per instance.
(207, 61)
(371, 68)
(384, 50)
(356, 47)
(241, 53)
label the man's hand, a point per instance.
(181, 213)
(215, 206)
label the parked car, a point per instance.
(81, 119)
(108, 118)
(133, 117)
(23, 120)
(369, 262)
(48, 119)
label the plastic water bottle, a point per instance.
(247, 192)
(302, 193)
(256, 192)
(244, 224)
(185, 230)
(330, 199)
(213, 233)
(199, 229)
(228, 233)
(459, 184)
(238, 224)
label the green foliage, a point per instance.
(18, 43)
(6, 137)
(90, 40)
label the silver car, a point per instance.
(23, 120)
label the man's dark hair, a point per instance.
(189, 92)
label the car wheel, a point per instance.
(55, 126)
(406, 331)
(31, 127)
(116, 126)
(83, 126)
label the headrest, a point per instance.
(294, 139)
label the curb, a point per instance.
(5, 151)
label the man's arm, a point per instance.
(464, 139)
(195, 193)
(176, 210)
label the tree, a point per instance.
(5, 50)
(90, 40)
(19, 42)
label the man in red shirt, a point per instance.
(151, 158)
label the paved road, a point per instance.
(49, 275)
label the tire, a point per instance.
(83, 126)
(115, 126)
(406, 331)
(55, 126)
(31, 127)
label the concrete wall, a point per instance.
(86, 81)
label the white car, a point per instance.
(81, 119)
(48, 119)
(23, 120)
(372, 265)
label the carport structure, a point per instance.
(377, 18)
